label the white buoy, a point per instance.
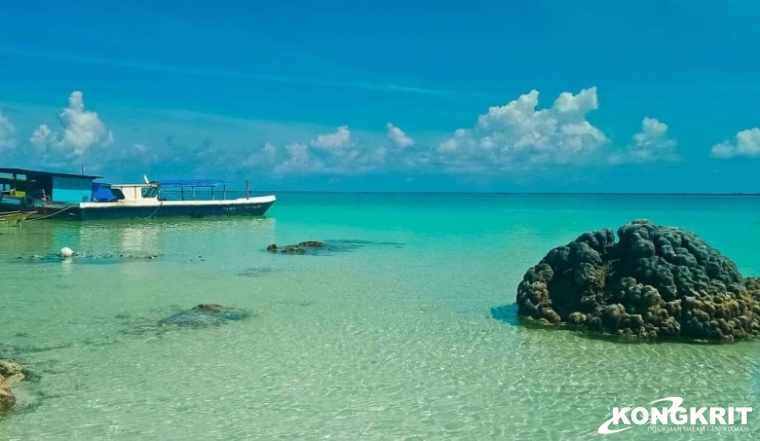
(66, 252)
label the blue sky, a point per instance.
(647, 96)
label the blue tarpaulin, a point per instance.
(191, 183)
(101, 193)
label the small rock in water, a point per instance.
(299, 248)
(314, 247)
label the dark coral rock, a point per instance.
(300, 248)
(655, 283)
(312, 244)
(293, 249)
(313, 247)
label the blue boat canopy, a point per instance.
(176, 183)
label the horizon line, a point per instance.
(517, 193)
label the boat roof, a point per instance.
(108, 184)
(176, 183)
(28, 172)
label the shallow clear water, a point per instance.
(393, 340)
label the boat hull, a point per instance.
(196, 209)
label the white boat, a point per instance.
(116, 201)
(52, 194)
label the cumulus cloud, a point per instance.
(334, 153)
(81, 130)
(267, 154)
(7, 134)
(517, 136)
(299, 160)
(340, 139)
(398, 137)
(651, 144)
(746, 144)
(517, 133)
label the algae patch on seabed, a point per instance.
(258, 272)
(200, 316)
(87, 258)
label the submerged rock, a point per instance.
(203, 315)
(317, 247)
(656, 282)
(299, 248)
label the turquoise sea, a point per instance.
(392, 339)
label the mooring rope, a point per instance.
(52, 214)
(161, 204)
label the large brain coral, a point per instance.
(656, 282)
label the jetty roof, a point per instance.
(30, 173)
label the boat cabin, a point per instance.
(123, 192)
(27, 186)
(155, 190)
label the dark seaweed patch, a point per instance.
(200, 316)
(257, 272)
(31, 349)
(329, 247)
(86, 258)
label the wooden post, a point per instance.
(224, 192)
(182, 192)
(246, 189)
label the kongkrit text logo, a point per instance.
(675, 414)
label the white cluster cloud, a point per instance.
(398, 137)
(517, 133)
(7, 134)
(299, 160)
(332, 153)
(332, 141)
(747, 144)
(651, 144)
(81, 130)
